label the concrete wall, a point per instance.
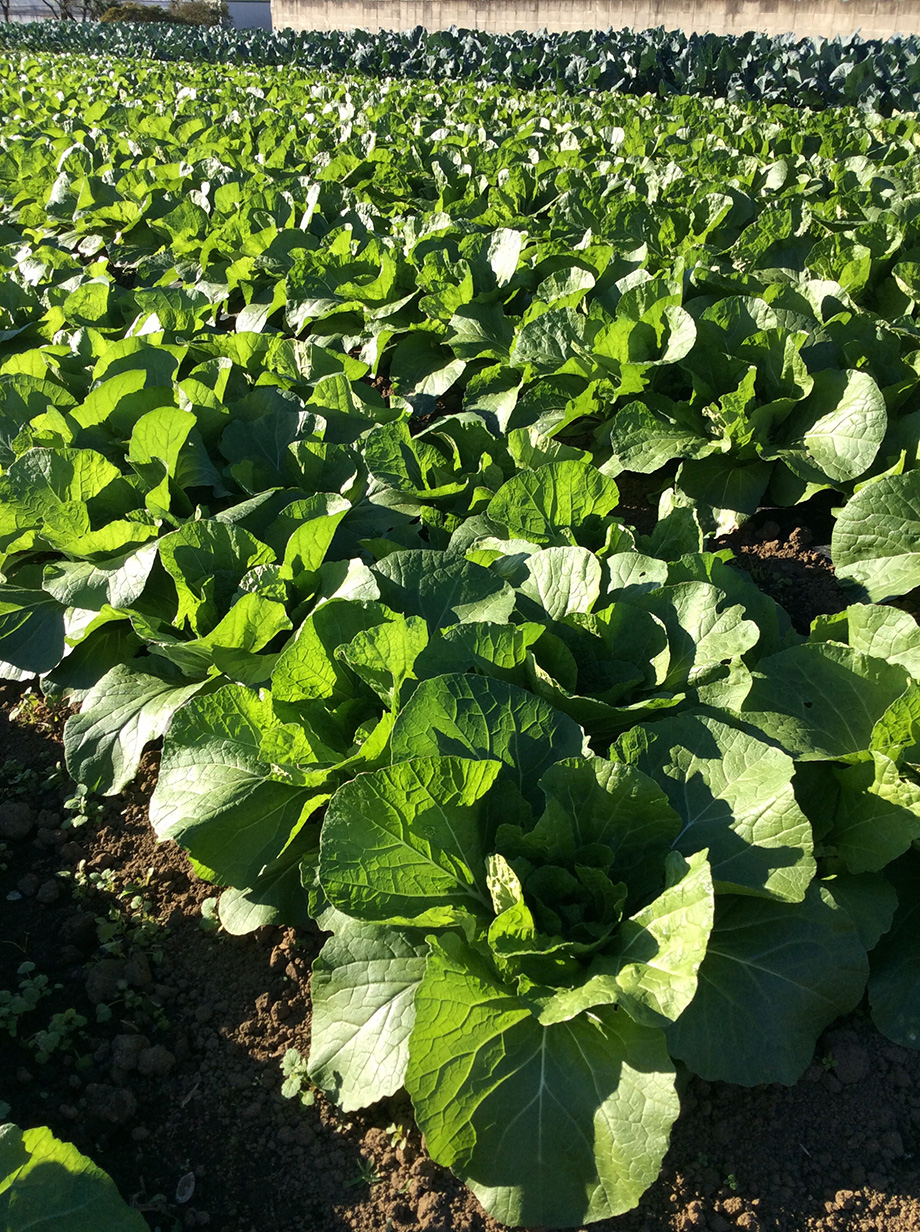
(250, 14)
(871, 18)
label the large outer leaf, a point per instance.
(734, 795)
(407, 844)
(822, 700)
(774, 975)
(700, 635)
(125, 711)
(876, 539)
(118, 580)
(443, 588)
(363, 997)
(481, 717)
(894, 986)
(539, 505)
(563, 580)
(885, 633)
(555, 1125)
(842, 423)
(279, 895)
(31, 631)
(47, 1186)
(217, 798)
(877, 814)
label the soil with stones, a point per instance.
(164, 1035)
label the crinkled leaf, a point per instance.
(555, 1125)
(443, 588)
(734, 795)
(822, 700)
(775, 974)
(475, 716)
(407, 844)
(125, 712)
(362, 994)
(650, 970)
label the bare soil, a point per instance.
(177, 1092)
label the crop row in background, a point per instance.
(314, 399)
(874, 74)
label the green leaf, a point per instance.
(894, 985)
(897, 733)
(118, 581)
(443, 588)
(475, 716)
(842, 423)
(775, 974)
(876, 814)
(307, 667)
(734, 795)
(31, 630)
(822, 700)
(701, 633)
(480, 331)
(279, 896)
(593, 800)
(231, 810)
(557, 340)
(59, 492)
(362, 994)
(870, 901)
(733, 489)
(643, 439)
(490, 648)
(47, 1186)
(385, 655)
(407, 844)
(544, 504)
(207, 561)
(875, 545)
(318, 518)
(630, 574)
(885, 633)
(562, 580)
(125, 712)
(556, 1125)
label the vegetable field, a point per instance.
(326, 406)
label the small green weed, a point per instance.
(297, 1084)
(367, 1174)
(15, 1004)
(31, 710)
(398, 1132)
(20, 782)
(82, 808)
(58, 1036)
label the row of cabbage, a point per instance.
(312, 411)
(877, 75)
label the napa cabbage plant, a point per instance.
(526, 937)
